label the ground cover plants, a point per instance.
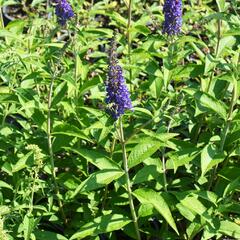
(119, 119)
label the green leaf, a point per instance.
(70, 130)
(210, 196)
(191, 202)
(188, 71)
(205, 102)
(28, 226)
(210, 157)
(233, 137)
(146, 210)
(221, 5)
(146, 174)
(232, 186)
(103, 224)
(225, 43)
(156, 84)
(142, 151)
(23, 162)
(8, 98)
(98, 180)
(142, 29)
(59, 93)
(193, 229)
(41, 235)
(142, 112)
(210, 63)
(186, 212)
(199, 52)
(182, 157)
(146, 196)
(230, 229)
(164, 137)
(7, 2)
(81, 70)
(88, 85)
(36, 2)
(97, 158)
(229, 208)
(4, 210)
(5, 185)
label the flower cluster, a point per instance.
(38, 155)
(3, 233)
(63, 11)
(118, 97)
(173, 17)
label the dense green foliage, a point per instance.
(61, 162)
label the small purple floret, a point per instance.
(63, 11)
(172, 10)
(118, 97)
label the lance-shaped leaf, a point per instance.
(210, 157)
(146, 196)
(98, 179)
(103, 224)
(142, 151)
(206, 102)
(97, 158)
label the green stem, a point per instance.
(224, 134)
(129, 40)
(229, 119)
(199, 126)
(1, 19)
(48, 8)
(50, 148)
(164, 170)
(129, 190)
(216, 51)
(5, 114)
(32, 194)
(106, 188)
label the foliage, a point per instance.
(61, 169)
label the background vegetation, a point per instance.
(60, 153)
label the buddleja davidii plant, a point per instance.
(64, 13)
(143, 149)
(217, 151)
(118, 100)
(213, 95)
(229, 134)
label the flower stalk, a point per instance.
(55, 74)
(219, 23)
(1, 19)
(129, 190)
(225, 132)
(129, 40)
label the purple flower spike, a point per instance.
(172, 10)
(118, 97)
(63, 11)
